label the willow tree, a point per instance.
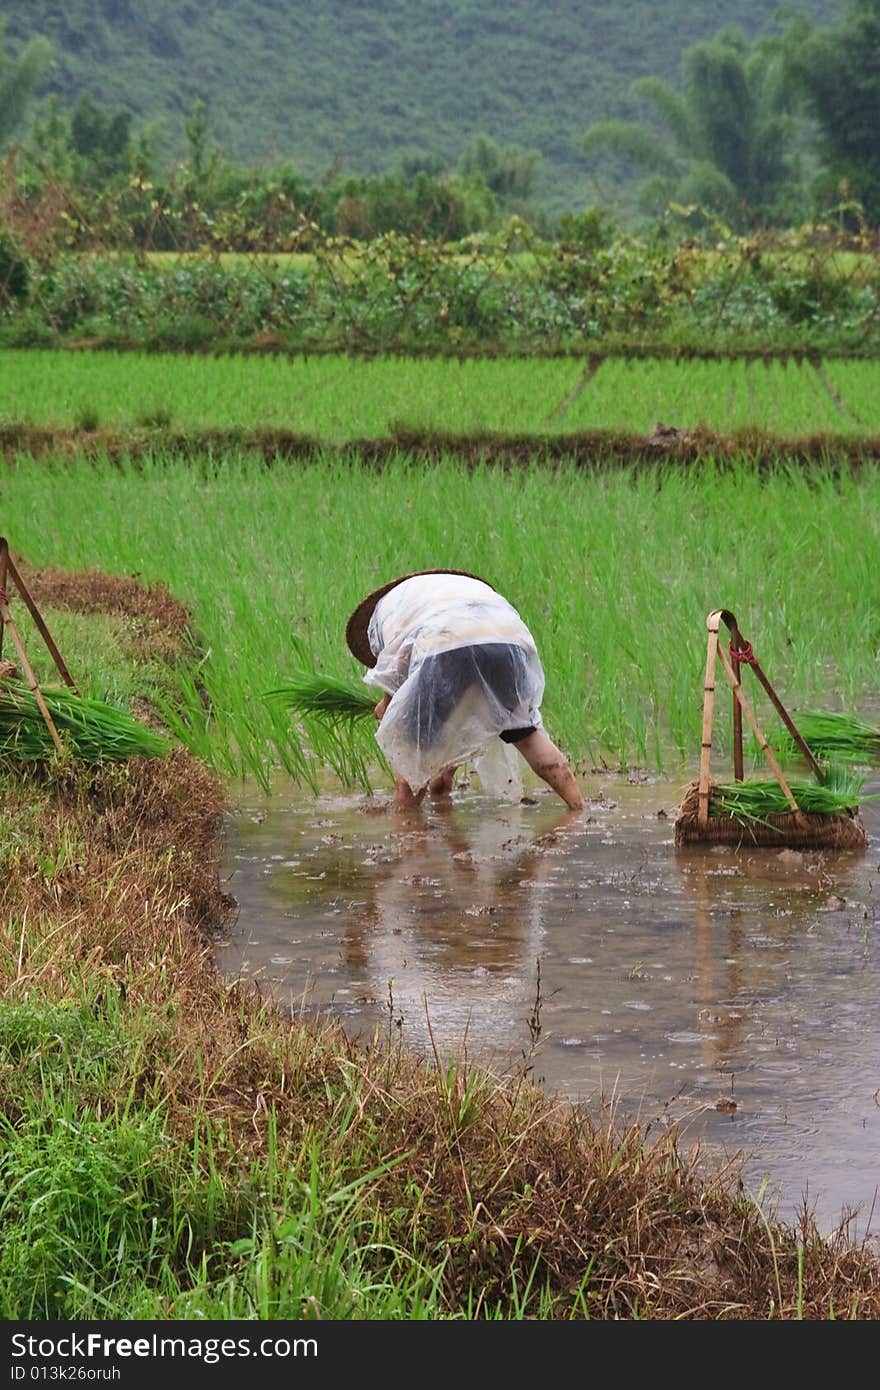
(724, 140)
(18, 78)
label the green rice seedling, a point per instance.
(93, 730)
(834, 735)
(157, 417)
(339, 398)
(332, 712)
(332, 397)
(855, 386)
(87, 419)
(590, 556)
(838, 793)
(338, 701)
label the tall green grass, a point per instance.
(339, 398)
(780, 397)
(613, 571)
(106, 1211)
(333, 397)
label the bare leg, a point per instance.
(404, 796)
(442, 784)
(405, 799)
(551, 765)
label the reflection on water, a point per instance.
(736, 990)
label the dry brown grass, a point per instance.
(605, 448)
(161, 625)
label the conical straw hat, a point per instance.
(357, 627)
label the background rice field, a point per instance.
(614, 572)
(340, 398)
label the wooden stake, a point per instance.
(759, 735)
(26, 667)
(708, 714)
(40, 624)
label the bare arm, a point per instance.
(552, 766)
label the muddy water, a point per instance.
(738, 992)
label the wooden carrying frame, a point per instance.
(794, 828)
(8, 570)
(741, 652)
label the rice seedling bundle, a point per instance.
(335, 715)
(759, 813)
(327, 697)
(93, 730)
(839, 736)
(755, 799)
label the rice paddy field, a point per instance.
(727, 990)
(615, 573)
(341, 398)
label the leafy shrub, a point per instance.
(509, 291)
(14, 274)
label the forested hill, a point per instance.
(363, 82)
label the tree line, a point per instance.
(765, 132)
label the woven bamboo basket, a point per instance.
(792, 829)
(777, 830)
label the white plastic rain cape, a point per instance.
(462, 667)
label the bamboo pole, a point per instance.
(736, 642)
(708, 714)
(4, 565)
(28, 671)
(739, 643)
(40, 624)
(787, 720)
(759, 734)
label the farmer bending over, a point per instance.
(458, 668)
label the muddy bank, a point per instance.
(590, 449)
(161, 625)
(471, 1168)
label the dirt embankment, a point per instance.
(586, 449)
(160, 624)
(147, 831)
